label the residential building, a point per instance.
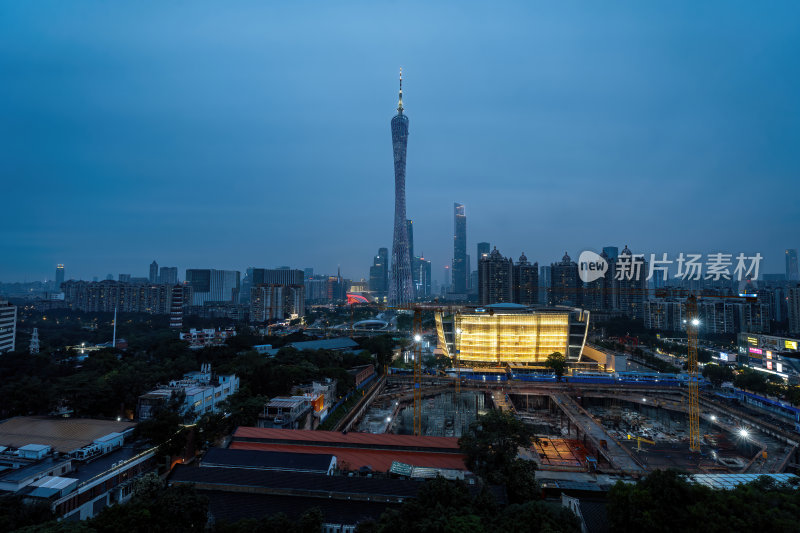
(107, 296)
(565, 283)
(153, 272)
(8, 326)
(276, 302)
(495, 279)
(793, 305)
(168, 275)
(526, 282)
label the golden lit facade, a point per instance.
(512, 334)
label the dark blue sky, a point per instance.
(212, 135)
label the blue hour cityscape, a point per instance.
(378, 267)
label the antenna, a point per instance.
(400, 102)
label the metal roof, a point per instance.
(267, 460)
(730, 481)
(351, 440)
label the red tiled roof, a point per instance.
(355, 458)
(446, 444)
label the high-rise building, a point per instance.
(154, 272)
(495, 279)
(791, 265)
(565, 282)
(412, 257)
(631, 288)
(276, 302)
(59, 277)
(125, 278)
(612, 252)
(169, 275)
(308, 273)
(424, 277)
(176, 307)
(447, 282)
(459, 249)
(379, 274)
(401, 287)
(210, 285)
(106, 296)
(526, 282)
(8, 326)
(793, 301)
(545, 285)
(483, 250)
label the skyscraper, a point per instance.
(565, 282)
(526, 282)
(154, 272)
(60, 276)
(459, 249)
(168, 275)
(791, 265)
(495, 279)
(401, 288)
(483, 250)
(379, 274)
(414, 260)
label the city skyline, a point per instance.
(588, 141)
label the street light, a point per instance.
(418, 337)
(744, 433)
(713, 418)
(695, 322)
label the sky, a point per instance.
(236, 134)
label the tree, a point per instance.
(491, 445)
(558, 363)
(717, 374)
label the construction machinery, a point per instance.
(639, 441)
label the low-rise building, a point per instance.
(77, 466)
(200, 338)
(201, 392)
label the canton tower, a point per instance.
(401, 288)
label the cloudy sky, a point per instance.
(236, 134)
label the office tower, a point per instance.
(526, 282)
(59, 277)
(210, 285)
(565, 282)
(467, 272)
(612, 252)
(125, 278)
(793, 301)
(791, 265)
(401, 289)
(8, 326)
(424, 277)
(308, 273)
(169, 275)
(410, 231)
(483, 250)
(545, 285)
(495, 279)
(459, 249)
(153, 272)
(447, 282)
(378, 274)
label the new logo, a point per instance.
(591, 266)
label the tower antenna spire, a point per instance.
(400, 102)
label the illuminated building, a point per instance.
(59, 277)
(460, 267)
(632, 293)
(793, 301)
(512, 334)
(401, 288)
(379, 274)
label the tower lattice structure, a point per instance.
(401, 287)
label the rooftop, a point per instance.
(338, 343)
(62, 434)
(236, 458)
